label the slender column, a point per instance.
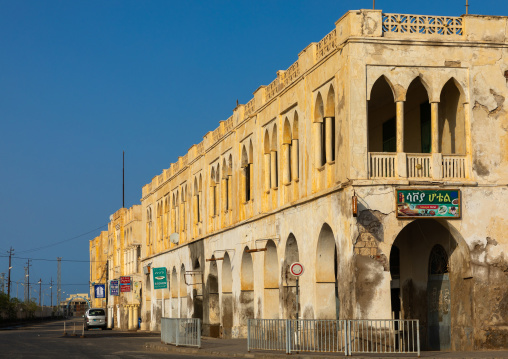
(434, 123)
(273, 168)
(195, 208)
(317, 143)
(200, 206)
(223, 194)
(212, 199)
(243, 184)
(329, 139)
(267, 170)
(230, 192)
(400, 126)
(251, 182)
(294, 159)
(286, 152)
(173, 220)
(136, 316)
(129, 322)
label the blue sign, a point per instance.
(114, 287)
(100, 291)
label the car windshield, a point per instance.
(95, 312)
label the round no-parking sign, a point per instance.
(296, 269)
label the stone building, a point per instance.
(378, 160)
(115, 254)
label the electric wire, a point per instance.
(62, 241)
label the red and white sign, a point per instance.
(125, 284)
(296, 269)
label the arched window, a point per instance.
(213, 193)
(286, 152)
(319, 128)
(266, 160)
(274, 170)
(452, 131)
(247, 172)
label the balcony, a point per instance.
(422, 166)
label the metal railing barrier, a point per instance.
(181, 331)
(335, 336)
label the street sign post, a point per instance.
(296, 269)
(160, 280)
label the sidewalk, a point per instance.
(237, 348)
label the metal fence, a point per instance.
(336, 336)
(383, 336)
(181, 331)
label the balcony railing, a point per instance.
(419, 165)
(382, 164)
(454, 166)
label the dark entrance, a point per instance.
(429, 270)
(438, 294)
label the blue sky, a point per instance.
(82, 81)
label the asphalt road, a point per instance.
(46, 340)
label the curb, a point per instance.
(161, 347)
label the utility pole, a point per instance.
(28, 278)
(59, 283)
(123, 179)
(25, 297)
(467, 7)
(40, 287)
(11, 252)
(51, 287)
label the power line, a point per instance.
(54, 260)
(63, 241)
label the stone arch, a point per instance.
(319, 110)
(197, 289)
(173, 286)
(213, 299)
(183, 292)
(330, 103)
(386, 79)
(246, 290)
(452, 119)
(291, 255)
(442, 301)
(327, 292)
(227, 298)
(271, 282)
(381, 111)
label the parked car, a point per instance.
(95, 318)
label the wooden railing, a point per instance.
(419, 165)
(382, 164)
(454, 166)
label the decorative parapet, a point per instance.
(326, 45)
(422, 24)
(199, 148)
(291, 74)
(185, 159)
(216, 134)
(228, 125)
(175, 167)
(273, 89)
(249, 108)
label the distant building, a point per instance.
(379, 160)
(115, 254)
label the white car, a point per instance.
(95, 318)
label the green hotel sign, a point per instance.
(160, 280)
(425, 203)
